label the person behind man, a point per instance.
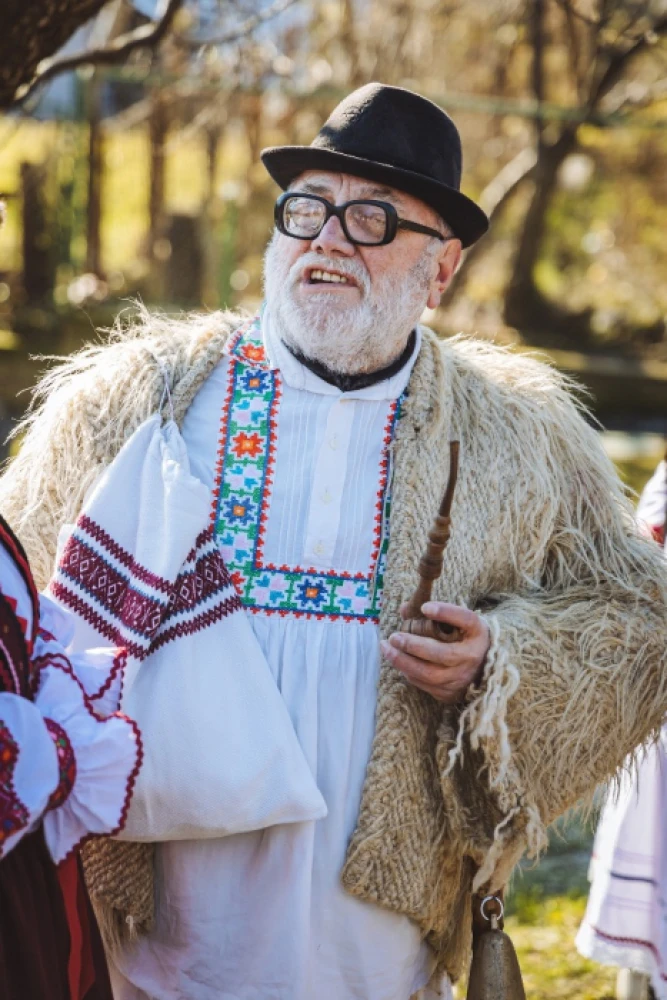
(625, 923)
(322, 428)
(68, 763)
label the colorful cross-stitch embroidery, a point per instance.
(14, 815)
(244, 478)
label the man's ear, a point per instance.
(447, 262)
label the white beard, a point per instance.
(347, 340)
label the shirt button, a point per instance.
(319, 549)
(333, 443)
(326, 497)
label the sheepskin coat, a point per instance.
(543, 544)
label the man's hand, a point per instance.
(444, 670)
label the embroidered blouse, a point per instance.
(66, 757)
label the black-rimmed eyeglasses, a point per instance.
(365, 222)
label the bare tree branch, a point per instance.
(635, 95)
(619, 60)
(242, 29)
(573, 11)
(147, 36)
(573, 47)
(536, 29)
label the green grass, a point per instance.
(552, 967)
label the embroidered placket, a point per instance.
(242, 496)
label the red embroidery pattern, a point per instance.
(118, 667)
(111, 589)
(81, 607)
(206, 578)
(66, 764)
(138, 571)
(14, 815)
(14, 549)
(633, 941)
(15, 666)
(221, 610)
(109, 598)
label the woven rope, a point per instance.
(119, 877)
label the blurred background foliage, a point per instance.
(138, 173)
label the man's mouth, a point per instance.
(320, 276)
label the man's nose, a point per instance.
(332, 240)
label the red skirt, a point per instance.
(50, 947)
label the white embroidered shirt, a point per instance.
(299, 476)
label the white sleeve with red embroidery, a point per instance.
(99, 671)
(61, 758)
(99, 758)
(29, 772)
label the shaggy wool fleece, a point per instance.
(543, 544)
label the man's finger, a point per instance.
(417, 671)
(444, 654)
(453, 614)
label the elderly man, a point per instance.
(322, 429)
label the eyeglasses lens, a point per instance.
(366, 223)
(303, 216)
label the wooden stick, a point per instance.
(430, 564)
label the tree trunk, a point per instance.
(524, 305)
(158, 126)
(158, 249)
(38, 264)
(95, 172)
(209, 223)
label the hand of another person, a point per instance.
(444, 670)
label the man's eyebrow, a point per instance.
(370, 191)
(315, 187)
(385, 193)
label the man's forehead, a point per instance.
(324, 182)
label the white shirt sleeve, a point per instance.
(652, 508)
(29, 772)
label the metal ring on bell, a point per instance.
(489, 899)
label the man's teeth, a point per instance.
(328, 276)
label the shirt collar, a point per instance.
(296, 375)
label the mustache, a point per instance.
(350, 268)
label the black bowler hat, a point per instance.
(395, 137)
